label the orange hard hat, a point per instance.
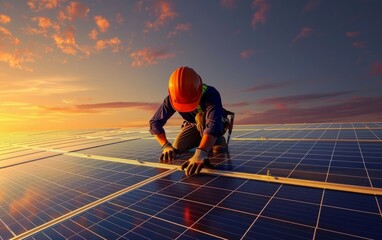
(185, 88)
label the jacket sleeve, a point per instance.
(164, 112)
(214, 111)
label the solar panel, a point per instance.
(294, 181)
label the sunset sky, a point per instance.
(88, 64)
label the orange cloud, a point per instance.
(5, 31)
(304, 32)
(44, 22)
(114, 43)
(77, 10)
(260, 16)
(93, 34)
(149, 56)
(7, 37)
(181, 27)
(102, 23)
(61, 16)
(4, 19)
(164, 12)
(18, 58)
(42, 4)
(66, 41)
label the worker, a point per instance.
(201, 108)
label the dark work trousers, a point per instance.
(189, 137)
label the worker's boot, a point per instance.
(220, 145)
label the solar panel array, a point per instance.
(293, 181)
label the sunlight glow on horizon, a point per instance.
(85, 64)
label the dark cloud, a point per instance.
(311, 5)
(376, 69)
(239, 104)
(301, 98)
(353, 109)
(267, 86)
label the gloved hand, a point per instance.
(168, 153)
(200, 120)
(195, 164)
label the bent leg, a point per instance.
(188, 138)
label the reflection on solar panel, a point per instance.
(296, 181)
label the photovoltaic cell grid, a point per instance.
(39, 191)
(203, 206)
(354, 163)
(211, 207)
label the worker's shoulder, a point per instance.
(211, 94)
(211, 89)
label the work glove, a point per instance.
(168, 153)
(200, 120)
(195, 164)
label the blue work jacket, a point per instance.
(210, 103)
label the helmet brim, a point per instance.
(188, 107)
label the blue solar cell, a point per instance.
(343, 179)
(311, 195)
(225, 223)
(157, 185)
(130, 198)
(158, 229)
(348, 171)
(104, 232)
(367, 203)
(86, 234)
(230, 184)
(261, 188)
(292, 211)
(265, 228)
(178, 189)
(198, 180)
(152, 204)
(195, 235)
(51, 233)
(312, 168)
(330, 235)
(184, 212)
(245, 202)
(356, 223)
(208, 195)
(32, 157)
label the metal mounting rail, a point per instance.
(252, 176)
(298, 182)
